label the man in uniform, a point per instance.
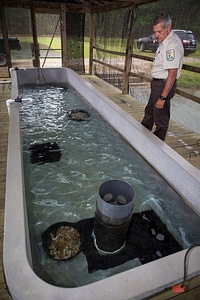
(166, 69)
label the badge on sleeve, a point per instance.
(170, 54)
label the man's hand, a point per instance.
(160, 104)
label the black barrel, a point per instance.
(114, 209)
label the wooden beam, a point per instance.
(108, 65)
(129, 50)
(81, 6)
(187, 95)
(5, 35)
(111, 6)
(91, 42)
(109, 51)
(48, 7)
(36, 50)
(191, 68)
(63, 35)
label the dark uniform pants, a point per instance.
(153, 115)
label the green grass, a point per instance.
(56, 43)
(43, 41)
(188, 79)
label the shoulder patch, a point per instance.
(170, 54)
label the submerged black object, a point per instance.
(114, 207)
(45, 153)
(51, 232)
(78, 115)
(147, 239)
(109, 239)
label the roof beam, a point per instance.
(81, 6)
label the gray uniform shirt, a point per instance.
(169, 55)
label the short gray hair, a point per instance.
(164, 19)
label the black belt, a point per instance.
(159, 79)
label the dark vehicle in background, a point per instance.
(188, 40)
(14, 44)
(186, 36)
(147, 43)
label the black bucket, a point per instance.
(114, 209)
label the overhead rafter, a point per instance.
(81, 6)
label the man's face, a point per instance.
(160, 32)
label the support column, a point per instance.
(5, 35)
(129, 49)
(91, 42)
(35, 50)
(63, 35)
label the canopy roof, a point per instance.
(84, 6)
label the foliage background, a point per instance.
(184, 13)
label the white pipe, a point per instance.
(5, 82)
(8, 103)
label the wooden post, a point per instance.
(91, 42)
(63, 35)
(129, 49)
(36, 50)
(5, 35)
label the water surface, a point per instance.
(66, 190)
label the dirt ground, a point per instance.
(4, 73)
